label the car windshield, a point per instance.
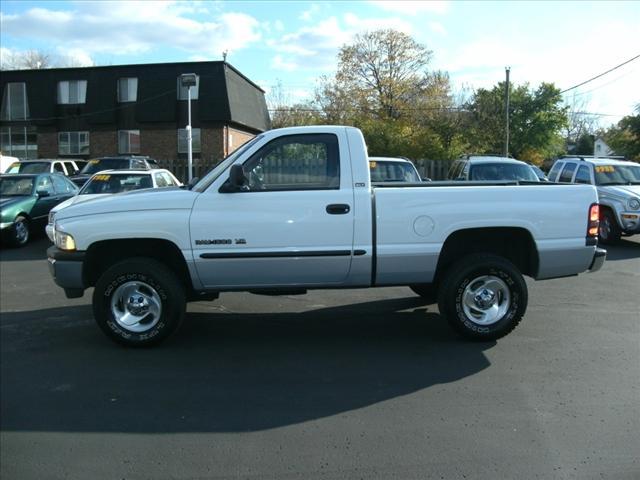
(617, 174)
(19, 186)
(538, 171)
(29, 167)
(502, 171)
(97, 165)
(385, 171)
(106, 183)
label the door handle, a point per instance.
(338, 209)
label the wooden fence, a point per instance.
(433, 169)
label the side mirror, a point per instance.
(237, 178)
(42, 193)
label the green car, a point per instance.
(25, 201)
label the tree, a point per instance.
(624, 138)
(580, 127)
(536, 120)
(284, 114)
(35, 60)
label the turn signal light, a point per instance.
(594, 213)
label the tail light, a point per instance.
(593, 224)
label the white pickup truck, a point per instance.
(294, 209)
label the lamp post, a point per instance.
(189, 80)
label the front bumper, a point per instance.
(66, 270)
(629, 222)
(599, 257)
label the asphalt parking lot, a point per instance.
(335, 384)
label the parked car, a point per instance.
(539, 172)
(6, 162)
(295, 209)
(45, 165)
(387, 169)
(618, 185)
(25, 202)
(128, 162)
(491, 168)
(111, 182)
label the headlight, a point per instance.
(634, 204)
(64, 241)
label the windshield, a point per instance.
(29, 167)
(617, 174)
(110, 183)
(502, 171)
(97, 165)
(382, 171)
(217, 170)
(19, 186)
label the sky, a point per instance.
(294, 43)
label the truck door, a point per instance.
(291, 224)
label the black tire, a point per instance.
(426, 291)
(20, 231)
(139, 279)
(461, 284)
(608, 233)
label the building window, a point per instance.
(183, 142)
(73, 143)
(72, 92)
(14, 102)
(21, 142)
(182, 91)
(127, 90)
(128, 141)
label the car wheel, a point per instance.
(139, 302)
(483, 296)
(20, 231)
(426, 290)
(608, 231)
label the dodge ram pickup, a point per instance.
(295, 209)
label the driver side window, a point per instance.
(44, 184)
(295, 162)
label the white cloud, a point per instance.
(136, 27)
(279, 63)
(307, 15)
(437, 27)
(412, 7)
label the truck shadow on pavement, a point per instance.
(224, 372)
(623, 250)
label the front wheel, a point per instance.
(20, 232)
(608, 231)
(483, 296)
(139, 302)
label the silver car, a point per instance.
(618, 185)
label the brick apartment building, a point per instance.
(130, 109)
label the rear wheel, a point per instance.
(483, 296)
(20, 231)
(608, 231)
(139, 302)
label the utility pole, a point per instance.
(189, 80)
(506, 113)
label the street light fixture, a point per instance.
(189, 80)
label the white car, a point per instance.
(6, 162)
(388, 169)
(110, 182)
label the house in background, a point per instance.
(601, 149)
(130, 109)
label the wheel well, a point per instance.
(513, 243)
(102, 255)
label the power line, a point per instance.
(600, 75)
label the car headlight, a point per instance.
(64, 241)
(634, 204)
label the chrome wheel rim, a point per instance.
(136, 306)
(22, 232)
(486, 300)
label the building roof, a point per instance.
(226, 96)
